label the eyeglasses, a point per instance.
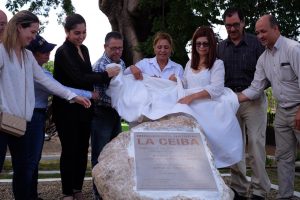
(234, 25)
(203, 44)
(116, 48)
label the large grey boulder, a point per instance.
(114, 175)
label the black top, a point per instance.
(70, 70)
(240, 60)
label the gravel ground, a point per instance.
(47, 190)
(52, 191)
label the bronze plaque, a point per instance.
(172, 161)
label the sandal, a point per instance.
(78, 195)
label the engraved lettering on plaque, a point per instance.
(172, 161)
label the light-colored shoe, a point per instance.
(68, 198)
(78, 196)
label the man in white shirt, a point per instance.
(279, 65)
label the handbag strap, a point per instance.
(1, 54)
(25, 82)
(1, 109)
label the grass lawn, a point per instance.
(45, 165)
(125, 126)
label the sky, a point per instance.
(97, 27)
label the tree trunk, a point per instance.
(121, 15)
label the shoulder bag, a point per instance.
(12, 124)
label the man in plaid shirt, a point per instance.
(240, 52)
(106, 123)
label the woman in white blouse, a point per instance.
(18, 71)
(161, 65)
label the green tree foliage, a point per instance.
(287, 13)
(176, 18)
(41, 7)
(181, 17)
(271, 106)
(49, 66)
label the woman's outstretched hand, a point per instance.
(136, 72)
(173, 78)
(186, 100)
(83, 101)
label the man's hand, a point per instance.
(113, 71)
(242, 98)
(83, 101)
(136, 72)
(173, 78)
(297, 120)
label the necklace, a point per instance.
(201, 67)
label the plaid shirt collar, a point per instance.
(244, 40)
(108, 60)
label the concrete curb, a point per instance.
(43, 180)
(47, 157)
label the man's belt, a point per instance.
(238, 89)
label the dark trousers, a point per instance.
(74, 137)
(35, 142)
(19, 151)
(106, 125)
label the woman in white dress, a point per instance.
(214, 104)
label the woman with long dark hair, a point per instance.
(72, 68)
(215, 105)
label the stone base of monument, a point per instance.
(167, 159)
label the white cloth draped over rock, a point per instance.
(155, 97)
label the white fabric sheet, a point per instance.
(155, 97)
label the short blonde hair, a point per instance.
(163, 36)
